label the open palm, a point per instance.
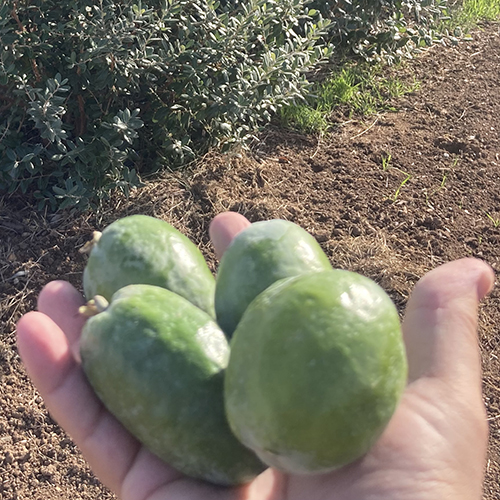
(433, 448)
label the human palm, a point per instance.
(433, 448)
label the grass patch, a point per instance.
(472, 12)
(304, 118)
(359, 88)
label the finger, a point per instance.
(440, 326)
(107, 446)
(60, 301)
(223, 228)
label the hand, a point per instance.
(433, 448)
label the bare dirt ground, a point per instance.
(436, 200)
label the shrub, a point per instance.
(385, 30)
(94, 93)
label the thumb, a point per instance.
(224, 228)
(440, 325)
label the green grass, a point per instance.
(304, 118)
(394, 197)
(386, 162)
(496, 222)
(474, 11)
(358, 88)
(386, 165)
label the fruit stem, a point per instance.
(87, 248)
(94, 306)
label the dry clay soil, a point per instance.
(444, 140)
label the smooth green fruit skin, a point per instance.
(263, 253)
(157, 362)
(317, 368)
(142, 249)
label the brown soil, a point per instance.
(444, 142)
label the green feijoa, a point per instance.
(157, 362)
(263, 253)
(142, 249)
(317, 368)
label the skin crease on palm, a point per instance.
(433, 448)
